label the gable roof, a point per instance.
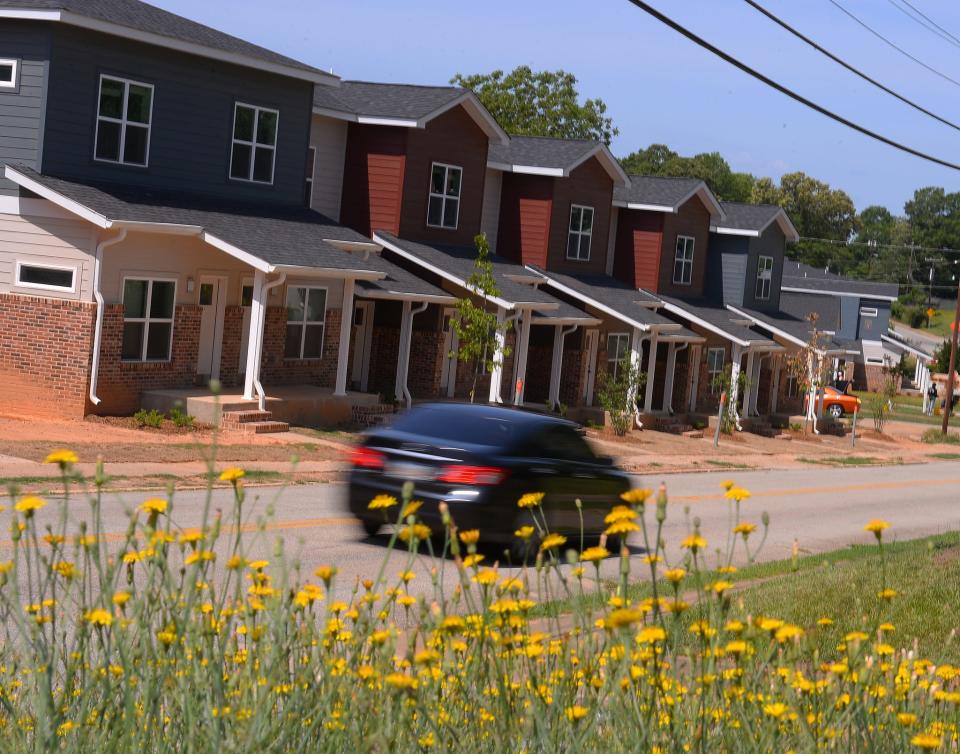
(742, 219)
(266, 237)
(544, 155)
(405, 105)
(634, 307)
(399, 284)
(794, 329)
(802, 278)
(146, 23)
(664, 194)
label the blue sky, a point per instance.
(658, 86)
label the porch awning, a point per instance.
(455, 265)
(608, 295)
(399, 284)
(720, 321)
(797, 331)
(565, 314)
(268, 238)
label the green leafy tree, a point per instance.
(540, 103)
(876, 225)
(658, 159)
(476, 325)
(653, 160)
(816, 210)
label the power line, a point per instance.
(880, 36)
(925, 21)
(789, 92)
(908, 247)
(783, 24)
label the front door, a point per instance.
(211, 296)
(360, 344)
(448, 372)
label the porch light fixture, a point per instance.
(189, 285)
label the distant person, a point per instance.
(931, 398)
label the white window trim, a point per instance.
(612, 359)
(245, 282)
(580, 233)
(869, 311)
(123, 122)
(147, 320)
(18, 283)
(254, 144)
(312, 159)
(792, 389)
(304, 323)
(712, 374)
(764, 275)
(444, 196)
(12, 83)
(683, 260)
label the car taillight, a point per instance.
(367, 458)
(472, 475)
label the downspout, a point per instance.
(678, 349)
(634, 395)
(98, 327)
(507, 323)
(555, 400)
(406, 369)
(261, 395)
(756, 394)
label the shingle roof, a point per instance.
(148, 18)
(565, 311)
(718, 317)
(658, 190)
(801, 305)
(798, 328)
(748, 216)
(541, 152)
(457, 262)
(398, 283)
(401, 101)
(288, 236)
(799, 275)
(604, 291)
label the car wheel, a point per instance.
(835, 410)
(371, 527)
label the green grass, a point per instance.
(256, 475)
(936, 437)
(946, 456)
(848, 461)
(727, 464)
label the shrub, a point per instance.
(796, 427)
(170, 639)
(615, 393)
(881, 402)
(180, 418)
(151, 418)
(936, 437)
(941, 358)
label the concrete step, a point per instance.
(693, 434)
(373, 415)
(244, 417)
(258, 427)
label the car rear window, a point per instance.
(457, 427)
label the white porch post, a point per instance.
(520, 363)
(404, 350)
(555, 364)
(346, 321)
(496, 375)
(695, 377)
(671, 370)
(636, 354)
(736, 356)
(751, 384)
(775, 390)
(651, 371)
(255, 336)
(591, 368)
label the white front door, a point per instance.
(211, 296)
(448, 372)
(360, 346)
(246, 303)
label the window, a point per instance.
(311, 166)
(306, 315)
(123, 121)
(148, 305)
(618, 343)
(581, 230)
(254, 143)
(561, 443)
(46, 277)
(792, 386)
(246, 294)
(8, 73)
(683, 261)
(764, 276)
(715, 359)
(443, 206)
(868, 311)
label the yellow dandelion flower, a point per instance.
(926, 741)
(524, 532)
(552, 541)
(530, 500)
(486, 577)
(98, 617)
(720, 588)
(620, 528)
(727, 484)
(693, 543)
(906, 719)
(401, 681)
(736, 647)
(636, 496)
(594, 554)
(30, 505)
(258, 565)
(651, 635)
(54, 539)
(65, 569)
(407, 600)
(786, 632)
(411, 508)
(325, 573)
(406, 576)
(471, 560)
(6, 566)
(745, 528)
(675, 575)
(876, 527)
(154, 506)
(417, 531)
(576, 712)
(120, 598)
(62, 458)
(620, 513)
(470, 536)
(824, 621)
(737, 493)
(191, 536)
(623, 618)
(382, 502)
(887, 594)
(232, 474)
(775, 710)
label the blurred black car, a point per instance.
(480, 460)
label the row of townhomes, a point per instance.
(179, 206)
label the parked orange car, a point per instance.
(836, 403)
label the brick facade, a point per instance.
(384, 351)
(230, 355)
(120, 382)
(277, 370)
(426, 364)
(45, 347)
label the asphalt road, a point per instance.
(821, 508)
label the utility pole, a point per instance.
(951, 371)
